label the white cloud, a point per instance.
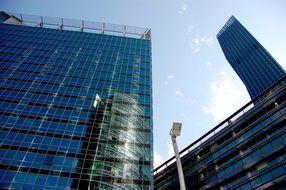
(196, 49)
(209, 65)
(171, 76)
(227, 95)
(183, 97)
(158, 160)
(191, 100)
(190, 28)
(206, 40)
(198, 41)
(178, 93)
(185, 116)
(183, 8)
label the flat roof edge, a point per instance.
(81, 26)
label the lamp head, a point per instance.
(176, 129)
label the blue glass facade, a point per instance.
(254, 65)
(76, 110)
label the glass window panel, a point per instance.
(266, 177)
(256, 182)
(266, 148)
(278, 171)
(245, 187)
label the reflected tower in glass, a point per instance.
(257, 69)
(76, 104)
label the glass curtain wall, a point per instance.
(53, 134)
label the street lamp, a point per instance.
(174, 132)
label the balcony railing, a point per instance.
(79, 25)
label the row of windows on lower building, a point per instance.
(218, 151)
(214, 172)
(257, 176)
(251, 173)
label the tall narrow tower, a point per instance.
(254, 65)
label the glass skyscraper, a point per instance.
(254, 65)
(76, 104)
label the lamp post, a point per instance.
(174, 132)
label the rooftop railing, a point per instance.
(231, 20)
(223, 124)
(79, 25)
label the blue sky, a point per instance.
(192, 81)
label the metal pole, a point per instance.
(179, 164)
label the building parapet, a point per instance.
(78, 25)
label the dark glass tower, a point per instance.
(254, 65)
(76, 105)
